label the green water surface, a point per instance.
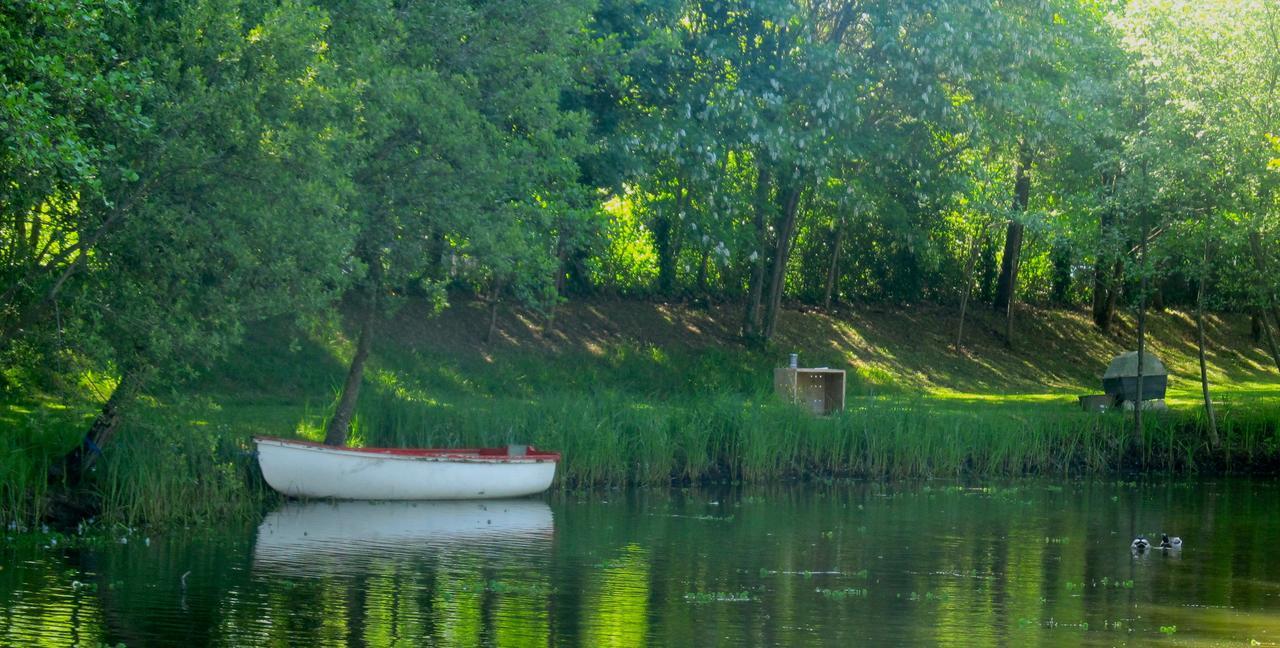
(852, 563)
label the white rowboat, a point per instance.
(305, 469)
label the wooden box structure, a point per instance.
(1098, 402)
(821, 390)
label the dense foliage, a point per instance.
(173, 171)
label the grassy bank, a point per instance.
(650, 394)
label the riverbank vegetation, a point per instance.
(176, 177)
(640, 393)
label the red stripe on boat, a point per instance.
(499, 454)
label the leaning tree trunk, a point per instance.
(755, 289)
(340, 425)
(778, 280)
(1204, 373)
(1007, 285)
(104, 427)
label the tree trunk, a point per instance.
(1268, 298)
(1264, 275)
(666, 258)
(550, 326)
(702, 272)
(1103, 285)
(1269, 332)
(677, 233)
(1061, 280)
(987, 271)
(561, 260)
(1142, 342)
(493, 313)
(340, 425)
(1204, 373)
(832, 270)
(1142, 337)
(1106, 291)
(1101, 318)
(972, 263)
(103, 429)
(755, 288)
(778, 280)
(1007, 285)
(561, 257)
(435, 251)
(666, 231)
(1113, 295)
(1255, 328)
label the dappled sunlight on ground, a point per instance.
(659, 351)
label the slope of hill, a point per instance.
(896, 349)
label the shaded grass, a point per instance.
(36, 433)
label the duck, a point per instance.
(1140, 544)
(1170, 543)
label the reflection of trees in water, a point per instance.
(46, 613)
(616, 605)
(941, 565)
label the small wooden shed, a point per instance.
(820, 389)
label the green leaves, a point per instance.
(170, 172)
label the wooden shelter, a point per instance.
(819, 389)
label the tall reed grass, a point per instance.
(609, 439)
(169, 468)
(165, 471)
(32, 438)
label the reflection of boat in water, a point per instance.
(305, 469)
(298, 533)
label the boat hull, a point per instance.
(299, 469)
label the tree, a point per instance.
(225, 211)
(462, 139)
(69, 93)
(1215, 65)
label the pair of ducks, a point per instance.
(1141, 544)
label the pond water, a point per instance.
(848, 563)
